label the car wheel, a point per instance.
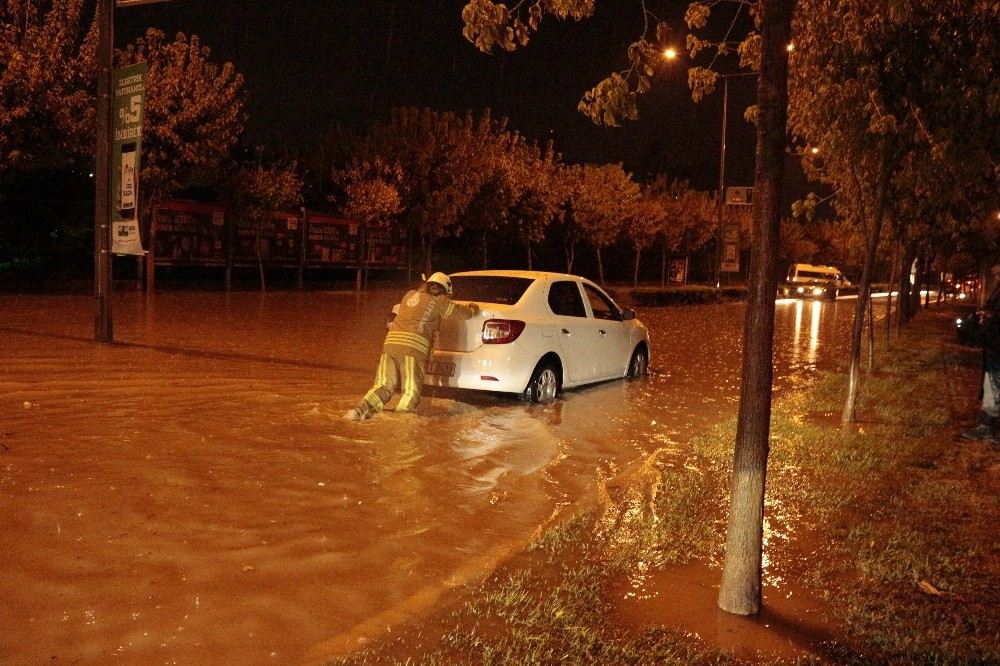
(544, 384)
(639, 365)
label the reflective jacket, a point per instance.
(420, 314)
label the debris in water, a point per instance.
(927, 588)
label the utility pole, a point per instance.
(103, 330)
(722, 182)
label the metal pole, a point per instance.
(722, 182)
(103, 331)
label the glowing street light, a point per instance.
(670, 53)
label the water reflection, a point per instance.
(804, 353)
(278, 513)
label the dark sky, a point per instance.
(311, 65)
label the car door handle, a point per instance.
(603, 332)
(565, 332)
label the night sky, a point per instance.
(312, 65)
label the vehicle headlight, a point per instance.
(817, 291)
(800, 290)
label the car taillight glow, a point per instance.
(501, 331)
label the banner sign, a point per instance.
(739, 196)
(129, 92)
(730, 249)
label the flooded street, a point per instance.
(191, 494)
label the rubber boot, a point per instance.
(984, 431)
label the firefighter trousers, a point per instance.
(395, 371)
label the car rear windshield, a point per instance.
(489, 288)
(816, 275)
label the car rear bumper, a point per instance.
(502, 368)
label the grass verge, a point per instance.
(894, 523)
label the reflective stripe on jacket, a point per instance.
(420, 314)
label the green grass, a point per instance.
(885, 505)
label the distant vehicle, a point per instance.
(537, 333)
(811, 281)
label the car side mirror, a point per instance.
(628, 313)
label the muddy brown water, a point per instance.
(190, 493)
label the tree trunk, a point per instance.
(485, 261)
(570, 252)
(888, 303)
(864, 292)
(600, 267)
(663, 266)
(260, 257)
(871, 335)
(740, 589)
(905, 297)
(426, 251)
(528, 248)
(635, 271)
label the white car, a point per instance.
(536, 334)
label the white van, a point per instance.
(811, 281)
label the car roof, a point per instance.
(533, 275)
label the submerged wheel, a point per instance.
(638, 367)
(544, 384)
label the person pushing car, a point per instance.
(408, 344)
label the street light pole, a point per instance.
(722, 181)
(722, 172)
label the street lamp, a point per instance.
(722, 169)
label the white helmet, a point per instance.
(443, 280)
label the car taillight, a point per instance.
(501, 331)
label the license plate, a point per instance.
(441, 368)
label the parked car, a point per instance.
(536, 334)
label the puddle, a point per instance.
(790, 625)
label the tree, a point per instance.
(645, 220)
(488, 23)
(546, 189)
(600, 205)
(506, 165)
(371, 196)
(259, 193)
(569, 230)
(443, 159)
(740, 590)
(47, 74)
(691, 218)
(902, 106)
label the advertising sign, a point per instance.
(129, 91)
(332, 240)
(739, 196)
(730, 249)
(386, 247)
(189, 233)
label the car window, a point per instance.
(601, 305)
(565, 299)
(500, 289)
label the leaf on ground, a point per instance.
(928, 588)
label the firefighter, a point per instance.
(408, 344)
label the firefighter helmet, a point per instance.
(441, 279)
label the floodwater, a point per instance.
(191, 494)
